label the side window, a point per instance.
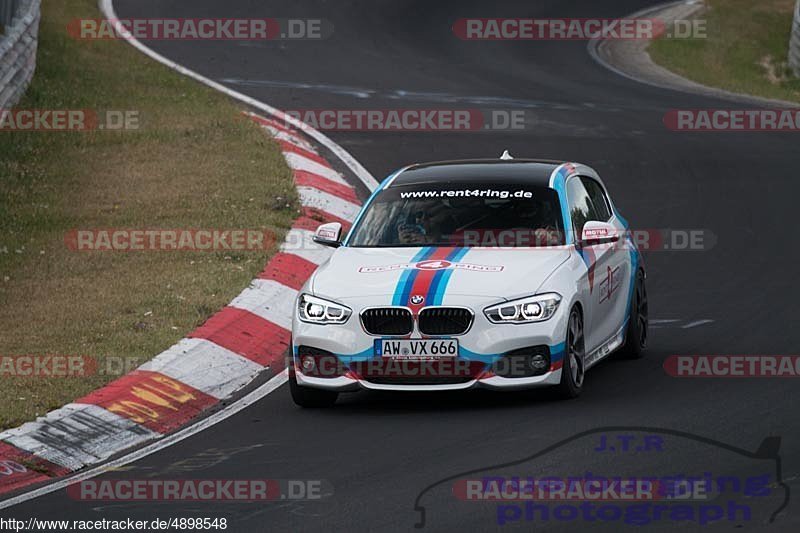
(599, 199)
(581, 208)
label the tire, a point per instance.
(310, 397)
(636, 332)
(573, 371)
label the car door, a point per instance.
(608, 265)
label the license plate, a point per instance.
(416, 348)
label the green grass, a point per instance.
(746, 49)
(195, 162)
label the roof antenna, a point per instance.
(506, 156)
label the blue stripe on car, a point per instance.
(557, 352)
(634, 253)
(559, 184)
(442, 278)
(403, 288)
(365, 355)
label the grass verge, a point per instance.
(194, 162)
(746, 49)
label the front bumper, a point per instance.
(346, 383)
(479, 349)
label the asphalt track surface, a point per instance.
(379, 451)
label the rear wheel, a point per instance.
(572, 373)
(308, 396)
(636, 332)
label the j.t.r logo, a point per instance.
(609, 285)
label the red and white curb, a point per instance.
(217, 359)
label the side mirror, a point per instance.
(329, 235)
(595, 232)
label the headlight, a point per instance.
(319, 311)
(532, 309)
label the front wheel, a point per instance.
(636, 332)
(572, 372)
(308, 396)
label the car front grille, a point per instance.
(444, 320)
(387, 321)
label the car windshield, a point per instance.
(461, 214)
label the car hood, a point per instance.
(384, 273)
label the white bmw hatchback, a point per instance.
(503, 273)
